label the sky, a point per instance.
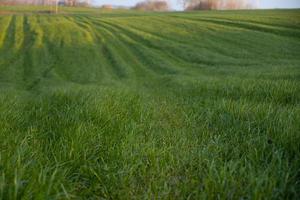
(176, 6)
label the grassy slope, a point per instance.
(125, 105)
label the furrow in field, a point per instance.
(187, 55)
(4, 25)
(161, 67)
(250, 26)
(117, 45)
(245, 45)
(53, 46)
(10, 33)
(137, 26)
(155, 58)
(14, 54)
(109, 66)
(145, 37)
(261, 22)
(9, 57)
(207, 38)
(32, 39)
(28, 41)
(121, 51)
(115, 63)
(45, 58)
(138, 39)
(67, 51)
(19, 34)
(113, 56)
(107, 63)
(189, 44)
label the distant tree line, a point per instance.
(218, 4)
(152, 5)
(163, 5)
(47, 2)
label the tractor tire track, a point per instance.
(121, 49)
(100, 49)
(181, 55)
(138, 45)
(5, 23)
(8, 57)
(249, 26)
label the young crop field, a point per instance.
(120, 104)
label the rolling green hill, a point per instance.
(121, 104)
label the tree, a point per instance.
(152, 5)
(217, 4)
(49, 2)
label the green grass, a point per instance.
(130, 105)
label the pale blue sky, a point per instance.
(175, 5)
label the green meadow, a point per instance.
(120, 104)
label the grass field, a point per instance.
(130, 105)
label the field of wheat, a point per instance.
(99, 104)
